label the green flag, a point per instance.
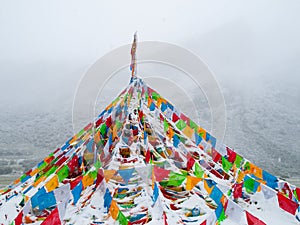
(198, 170)
(122, 219)
(80, 132)
(23, 176)
(222, 217)
(175, 179)
(226, 164)
(296, 195)
(63, 173)
(193, 125)
(238, 161)
(180, 124)
(42, 166)
(52, 170)
(93, 174)
(97, 164)
(166, 125)
(103, 129)
(119, 124)
(247, 166)
(182, 139)
(155, 96)
(249, 184)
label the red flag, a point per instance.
(61, 161)
(141, 114)
(287, 204)
(175, 117)
(185, 118)
(100, 177)
(287, 191)
(252, 220)
(74, 182)
(190, 162)
(298, 193)
(160, 173)
(98, 122)
(231, 155)
(165, 218)
(87, 127)
(203, 223)
(161, 117)
(19, 219)
(53, 218)
(216, 156)
(148, 155)
(238, 190)
(73, 164)
(108, 121)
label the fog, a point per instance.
(252, 48)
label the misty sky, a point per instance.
(46, 46)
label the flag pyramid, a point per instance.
(142, 161)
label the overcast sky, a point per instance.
(84, 30)
(46, 46)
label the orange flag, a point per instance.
(171, 132)
(114, 210)
(97, 137)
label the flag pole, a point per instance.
(133, 57)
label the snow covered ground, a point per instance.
(167, 178)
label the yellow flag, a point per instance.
(207, 188)
(108, 174)
(114, 132)
(36, 183)
(97, 137)
(17, 180)
(256, 171)
(52, 183)
(191, 182)
(73, 139)
(159, 101)
(87, 180)
(26, 198)
(33, 172)
(241, 176)
(86, 136)
(188, 132)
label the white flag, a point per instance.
(268, 192)
(63, 193)
(106, 148)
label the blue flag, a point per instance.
(107, 199)
(175, 141)
(76, 192)
(46, 200)
(89, 145)
(126, 174)
(35, 198)
(155, 193)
